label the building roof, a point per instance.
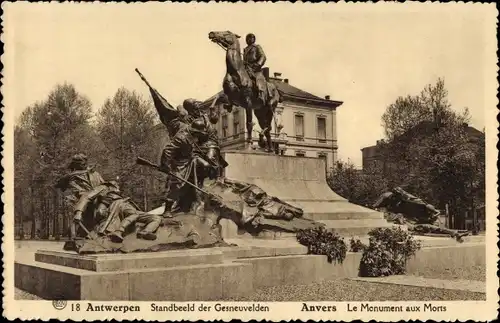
(293, 93)
(427, 127)
(369, 147)
(473, 132)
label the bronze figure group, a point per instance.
(197, 195)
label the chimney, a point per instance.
(265, 71)
(277, 76)
(286, 81)
(327, 97)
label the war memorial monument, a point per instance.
(230, 219)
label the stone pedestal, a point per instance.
(300, 181)
(212, 274)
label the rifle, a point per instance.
(145, 162)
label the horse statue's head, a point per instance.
(225, 39)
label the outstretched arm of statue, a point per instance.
(261, 55)
(84, 201)
(213, 114)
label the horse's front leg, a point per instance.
(249, 122)
(231, 92)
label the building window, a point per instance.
(299, 126)
(321, 129)
(224, 126)
(300, 153)
(323, 156)
(236, 123)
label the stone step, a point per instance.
(117, 262)
(371, 223)
(173, 258)
(329, 206)
(431, 242)
(318, 216)
(203, 282)
(353, 232)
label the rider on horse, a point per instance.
(255, 58)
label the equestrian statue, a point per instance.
(245, 84)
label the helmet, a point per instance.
(250, 36)
(198, 126)
(190, 105)
(78, 161)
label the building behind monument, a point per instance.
(305, 124)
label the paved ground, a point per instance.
(349, 290)
(418, 281)
(22, 295)
(343, 290)
(476, 273)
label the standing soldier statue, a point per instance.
(182, 158)
(255, 58)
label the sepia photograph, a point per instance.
(249, 161)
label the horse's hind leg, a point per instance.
(265, 118)
(267, 133)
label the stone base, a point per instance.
(300, 181)
(210, 274)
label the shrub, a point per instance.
(320, 241)
(388, 252)
(356, 245)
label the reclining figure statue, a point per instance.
(421, 218)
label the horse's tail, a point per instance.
(274, 96)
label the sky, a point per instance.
(364, 55)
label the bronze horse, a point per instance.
(240, 89)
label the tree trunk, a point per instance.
(144, 190)
(32, 211)
(19, 213)
(57, 234)
(45, 211)
(448, 218)
(64, 223)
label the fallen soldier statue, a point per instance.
(420, 218)
(254, 211)
(128, 229)
(135, 231)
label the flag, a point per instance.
(165, 110)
